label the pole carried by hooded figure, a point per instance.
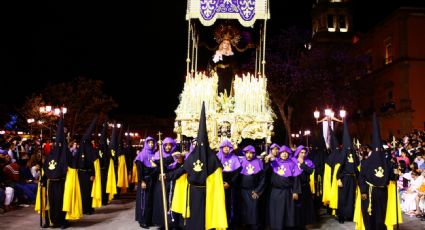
(164, 197)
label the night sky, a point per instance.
(51, 42)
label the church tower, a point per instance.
(332, 21)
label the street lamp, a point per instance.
(307, 134)
(328, 121)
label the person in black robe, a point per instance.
(104, 158)
(252, 183)
(304, 208)
(272, 154)
(231, 168)
(204, 180)
(347, 178)
(55, 168)
(168, 150)
(175, 220)
(318, 156)
(146, 171)
(285, 188)
(86, 157)
(375, 173)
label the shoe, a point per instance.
(46, 225)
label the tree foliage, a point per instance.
(302, 77)
(82, 97)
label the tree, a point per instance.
(301, 76)
(82, 97)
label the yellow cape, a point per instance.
(111, 183)
(37, 199)
(96, 190)
(327, 185)
(358, 216)
(333, 203)
(72, 203)
(122, 174)
(134, 176)
(215, 208)
(312, 188)
(393, 197)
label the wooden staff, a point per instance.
(161, 165)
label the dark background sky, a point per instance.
(49, 42)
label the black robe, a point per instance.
(231, 196)
(144, 197)
(282, 206)
(377, 192)
(250, 207)
(348, 174)
(304, 208)
(157, 212)
(85, 172)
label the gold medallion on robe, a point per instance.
(197, 166)
(52, 164)
(379, 172)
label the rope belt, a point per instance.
(371, 186)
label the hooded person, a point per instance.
(55, 170)
(231, 168)
(375, 175)
(86, 171)
(122, 174)
(272, 154)
(252, 183)
(318, 156)
(199, 192)
(104, 159)
(285, 187)
(330, 186)
(111, 182)
(304, 210)
(147, 178)
(347, 178)
(169, 147)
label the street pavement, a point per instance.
(119, 215)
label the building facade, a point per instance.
(395, 83)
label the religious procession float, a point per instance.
(242, 111)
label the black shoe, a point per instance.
(46, 225)
(341, 220)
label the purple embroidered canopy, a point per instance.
(246, 11)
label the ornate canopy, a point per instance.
(245, 11)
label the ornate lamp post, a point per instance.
(328, 121)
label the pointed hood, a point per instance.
(86, 152)
(120, 143)
(348, 157)
(103, 143)
(377, 167)
(113, 145)
(333, 158)
(56, 162)
(202, 161)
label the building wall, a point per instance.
(402, 80)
